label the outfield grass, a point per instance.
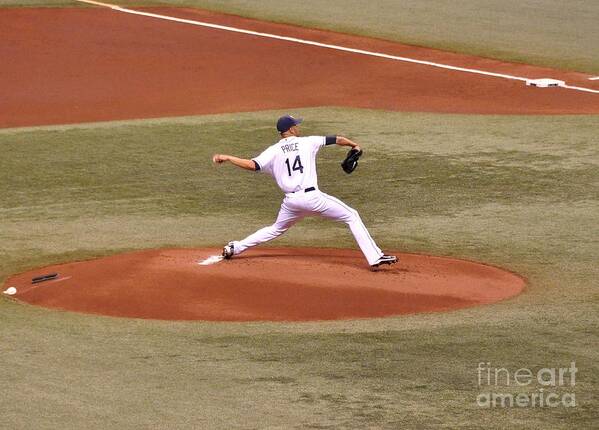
(544, 32)
(39, 3)
(520, 192)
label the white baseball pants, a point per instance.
(298, 205)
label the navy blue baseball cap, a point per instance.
(286, 122)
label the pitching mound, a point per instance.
(267, 284)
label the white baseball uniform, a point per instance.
(292, 163)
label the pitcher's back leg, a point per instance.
(285, 219)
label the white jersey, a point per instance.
(292, 161)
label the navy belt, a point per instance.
(306, 190)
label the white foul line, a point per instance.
(596, 78)
(322, 45)
(97, 3)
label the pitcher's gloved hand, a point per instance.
(351, 160)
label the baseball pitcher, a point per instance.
(292, 163)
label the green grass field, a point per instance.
(520, 192)
(544, 32)
(39, 3)
(514, 191)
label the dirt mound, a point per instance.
(267, 284)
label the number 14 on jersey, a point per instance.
(297, 165)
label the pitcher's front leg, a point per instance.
(335, 209)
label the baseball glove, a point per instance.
(351, 161)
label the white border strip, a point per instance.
(321, 45)
(596, 78)
(97, 3)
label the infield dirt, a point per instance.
(107, 65)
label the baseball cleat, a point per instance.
(385, 259)
(228, 251)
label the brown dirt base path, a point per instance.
(267, 284)
(94, 64)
